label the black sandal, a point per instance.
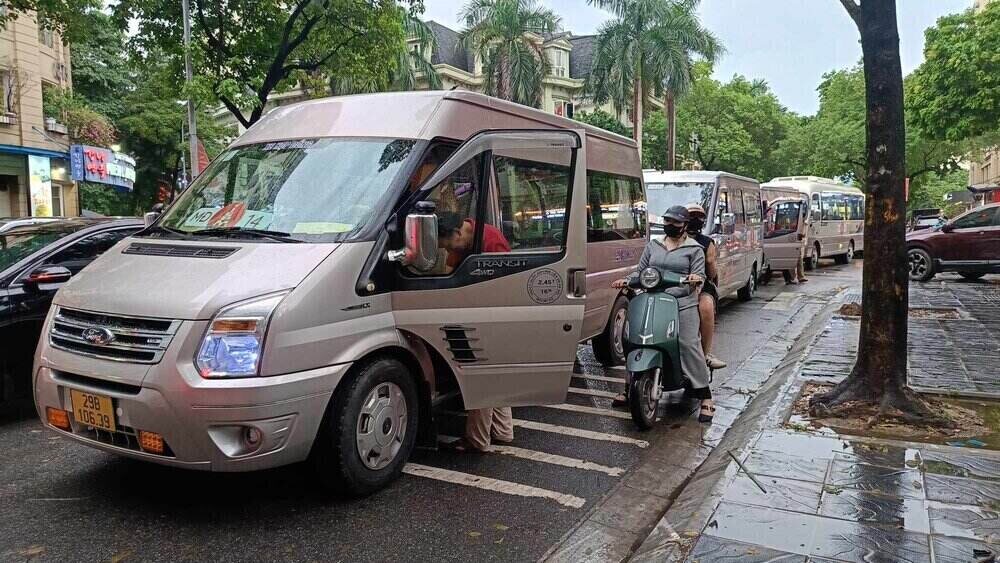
(706, 418)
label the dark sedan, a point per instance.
(35, 261)
(969, 245)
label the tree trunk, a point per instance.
(637, 114)
(670, 109)
(503, 85)
(879, 374)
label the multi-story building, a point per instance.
(34, 151)
(984, 176)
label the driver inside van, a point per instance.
(457, 235)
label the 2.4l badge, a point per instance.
(545, 286)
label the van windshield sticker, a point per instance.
(289, 145)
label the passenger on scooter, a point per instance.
(708, 300)
(681, 254)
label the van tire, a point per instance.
(747, 292)
(609, 346)
(336, 455)
(812, 261)
(847, 257)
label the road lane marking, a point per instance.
(601, 378)
(552, 459)
(593, 392)
(590, 410)
(579, 433)
(490, 484)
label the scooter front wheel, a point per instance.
(642, 399)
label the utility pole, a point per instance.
(188, 77)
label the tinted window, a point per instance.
(18, 244)
(84, 251)
(457, 194)
(723, 209)
(616, 208)
(977, 218)
(751, 204)
(736, 206)
(782, 219)
(533, 200)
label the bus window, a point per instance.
(817, 208)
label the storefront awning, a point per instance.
(32, 151)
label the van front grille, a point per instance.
(124, 437)
(112, 337)
(178, 250)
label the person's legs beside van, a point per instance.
(482, 426)
(706, 309)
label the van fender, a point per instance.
(643, 359)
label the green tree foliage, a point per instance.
(647, 49)
(736, 127)
(931, 190)
(604, 120)
(411, 66)
(514, 65)
(101, 74)
(243, 50)
(61, 15)
(83, 123)
(955, 92)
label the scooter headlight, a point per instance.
(649, 278)
(235, 338)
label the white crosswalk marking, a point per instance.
(593, 392)
(590, 410)
(552, 459)
(490, 484)
(579, 432)
(600, 378)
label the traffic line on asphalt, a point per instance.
(552, 459)
(579, 433)
(593, 392)
(601, 378)
(490, 484)
(590, 410)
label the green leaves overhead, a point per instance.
(61, 15)
(497, 32)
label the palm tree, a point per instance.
(499, 33)
(411, 65)
(648, 49)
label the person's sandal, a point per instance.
(706, 418)
(620, 400)
(714, 363)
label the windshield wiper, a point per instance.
(240, 231)
(169, 230)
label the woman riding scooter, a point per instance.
(682, 255)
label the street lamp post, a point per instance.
(188, 76)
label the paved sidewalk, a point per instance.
(818, 497)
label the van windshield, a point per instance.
(662, 196)
(313, 190)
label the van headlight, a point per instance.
(649, 278)
(235, 338)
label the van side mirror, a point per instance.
(947, 227)
(47, 278)
(421, 234)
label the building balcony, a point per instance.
(54, 126)
(8, 119)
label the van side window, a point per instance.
(613, 208)
(533, 198)
(751, 200)
(736, 207)
(455, 199)
(722, 209)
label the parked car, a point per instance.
(968, 244)
(735, 220)
(35, 261)
(8, 223)
(347, 267)
(921, 219)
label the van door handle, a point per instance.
(577, 283)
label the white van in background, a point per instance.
(837, 218)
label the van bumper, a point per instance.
(203, 427)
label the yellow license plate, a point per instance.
(93, 410)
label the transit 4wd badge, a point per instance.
(544, 286)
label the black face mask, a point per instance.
(673, 231)
(695, 226)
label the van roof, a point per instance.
(427, 115)
(805, 182)
(401, 115)
(653, 175)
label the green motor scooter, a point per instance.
(653, 356)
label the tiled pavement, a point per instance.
(832, 499)
(954, 339)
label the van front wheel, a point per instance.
(747, 292)
(609, 346)
(369, 429)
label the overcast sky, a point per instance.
(789, 43)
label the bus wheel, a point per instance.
(812, 261)
(848, 256)
(609, 346)
(369, 429)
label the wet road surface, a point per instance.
(63, 501)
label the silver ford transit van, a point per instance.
(341, 269)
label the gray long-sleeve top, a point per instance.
(686, 259)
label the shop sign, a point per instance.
(102, 166)
(40, 185)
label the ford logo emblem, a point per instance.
(98, 336)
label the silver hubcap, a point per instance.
(918, 264)
(752, 284)
(850, 252)
(618, 337)
(646, 397)
(381, 425)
